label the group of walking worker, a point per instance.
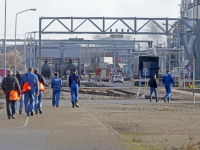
(74, 84)
(167, 81)
(32, 98)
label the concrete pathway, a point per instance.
(60, 128)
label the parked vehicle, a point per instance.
(150, 64)
(118, 78)
(103, 74)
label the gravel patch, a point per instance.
(156, 126)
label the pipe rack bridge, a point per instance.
(135, 28)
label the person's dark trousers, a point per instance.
(38, 101)
(152, 89)
(10, 105)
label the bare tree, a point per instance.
(10, 57)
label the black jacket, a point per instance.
(153, 83)
(19, 77)
(77, 79)
(40, 78)
(10, 83)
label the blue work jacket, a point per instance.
(32, 81)
(168, 79)
(56, 83)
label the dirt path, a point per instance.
(153, 126)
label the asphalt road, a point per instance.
(117, 84)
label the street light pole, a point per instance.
(5, 43)
(16, 33)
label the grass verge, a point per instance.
(135, 142)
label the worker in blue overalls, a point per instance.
(167, 81)
(56, 85)
(29, 96)
(74, 84)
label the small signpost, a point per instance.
(145, 71)
(189, 68)
(115, 69)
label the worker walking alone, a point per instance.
(19, 78)
(29, 96)
(153, 87)
(10, 83)
(38, 99)
(167, 81)
(74, 84)
(56, 85)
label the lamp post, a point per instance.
(5, 43)
(16, 32)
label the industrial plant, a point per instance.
(172, 41)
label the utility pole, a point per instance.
(179, 76)
(193, 81)
(114, 57)
(5, 43)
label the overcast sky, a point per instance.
(29, 21)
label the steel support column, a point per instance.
(198, 51)
(31, 52)
(130, 63)
(114, 59)
(79, 66)
(34, 53)
(40, 37)
(185, 49)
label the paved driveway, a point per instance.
(60, 128)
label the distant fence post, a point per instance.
(147, 83)
(178, 83)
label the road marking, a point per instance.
(25, 125)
